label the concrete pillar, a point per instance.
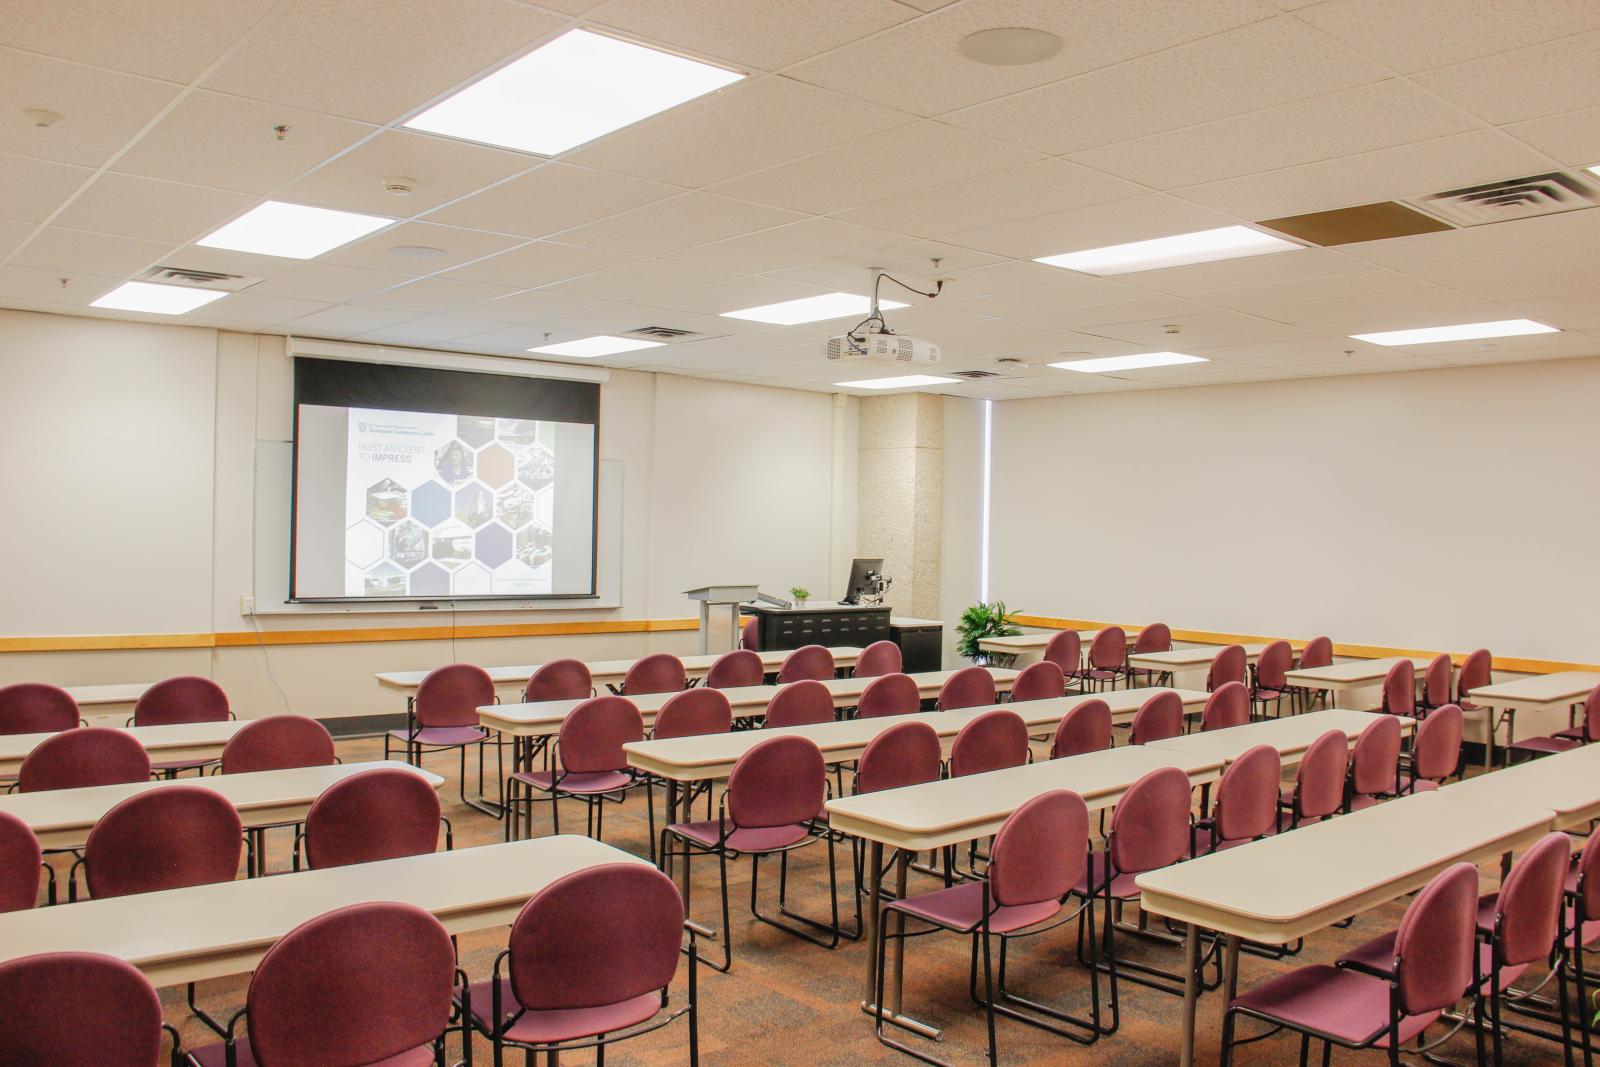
(900, 495)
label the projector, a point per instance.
(883, 348)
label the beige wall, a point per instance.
(133, 451)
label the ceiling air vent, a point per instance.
(662, 333)
(1515, 198)
(198, 279)
(974, 375)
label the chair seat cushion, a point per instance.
(217, 1056)
(566, 1024)
(960, 908)
(1268, 693)
(1204, 847)
(443, 736)
(1573, 732)
(579, 783)
(1365, 801)
(1546, 745)
(1094, 879)
(1103, 672)
(1346, 1005)
(744, 839)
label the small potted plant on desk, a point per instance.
(981, 621)
(799, 594)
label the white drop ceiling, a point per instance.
(861, 138)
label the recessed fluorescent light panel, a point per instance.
(590, 347)
(1139, 362)
(1466, 331)
(812, 309)
(293, 231)
(903, 381)
(578, 87)
(1204, 246)
(156, 299)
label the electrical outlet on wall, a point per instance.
(247, 605)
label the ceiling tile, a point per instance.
(79, 252)
(1004, 277)
(328, 282)
(713, 298)
(555, 197)
(1528, 83)
(1386, 311)
(159, 211)
(1251, 270)
(433, 329)
(441, 170)
(1082, 292)
(13, 234)
(433, 295)
(344, 320)
(1082, 319)
(255, 308)
(1390, 364)
(1421, 36)
(1580, 311)
(679, 222)
(167, 39)
(533, 305)
(1195, 328)
(19, 284)
(1500, 238)
(1299, 291)
(376, 60)
(787, 246)
(459, 246)
(1134, 219)
(513, 339)
(536, 263)
(745, 127)
(100, 110)
(34, 188)
(1572, 137)
(640, 278)
(764, 34)
(1568, 270)
(911, 263)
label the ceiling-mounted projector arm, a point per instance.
(877, 316)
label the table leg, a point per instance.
(894, 982)
(1191, 991)
(874, 916)
(666, 858)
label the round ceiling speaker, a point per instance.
(1010, 46)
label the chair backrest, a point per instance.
(1528, 907)
(1436, 751)
(804, 703)
(1150, 826)
(375, 815)
(907, 753)
(20, 857)
(733, 670)
(1109, 649)
(1436, 680)
(1477, 671)
(1375, 759)
(1319, 780)
(359, 984)
(560, 679)
(1273, 664)
(1158, 718)
(1065, 650)
(1399, 688)
(1591, 715)
(1084, 728)
(1228, 665)
(1247, 796)
(659, 672)
(166, 838)
(36, 708)
(451, 696)
(599, 936)
(1317, 653)
(1228, 705)
(1038, 681)
(71, 1008)
(593, 733)
(277, 743)
(1588, 887)
(1436, 942)
(89, 755)
(750, 635)
(992, 741)
(1156, 637)
(1041, 850)
(188, 698)
(970, 687)
(890, 694)
(780, 782)
(692, 713)
(878, 658)
(810, 662)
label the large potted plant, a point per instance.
(981, 621)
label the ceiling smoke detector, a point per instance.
(399, 185)
(41, 118)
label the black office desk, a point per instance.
(820, 624)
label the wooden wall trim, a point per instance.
(372, 635)
(1502, 663)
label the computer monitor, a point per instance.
(859, 582)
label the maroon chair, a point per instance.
(990, 742)
(276, 743)
(1319, 781)
(1580, 729)
(1317, 653)
(659, 672)
(168, 838)
(21, 864)
(589, 765)
(1435, 751)
(186, 699)
(907, 753)
(1374, 764)
(1563, 740)
(1437, 684)
(1433, 968)
(381, 814)
(1157, 719)
(87, 756)
(878, 658)
(1065, 650)
(362, 984)
(1228, 705)
(444, 715)
(1086, 728)
(1230, 664)
(1583, 924)
(1271, 682)
(891, 694)
(736, 669)
(1246, 806)
(588, 964)
(1108, 658)
(74, 1009)
(1038, 856)
(1156, 637)
(812, 662)
(691, 713)
(36, 708)
(1477, 671)
(1399, 689)
(560, 679)
(970, 687)
(771, 806)
(803, 703)
(750, 635)
(1038, 681)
